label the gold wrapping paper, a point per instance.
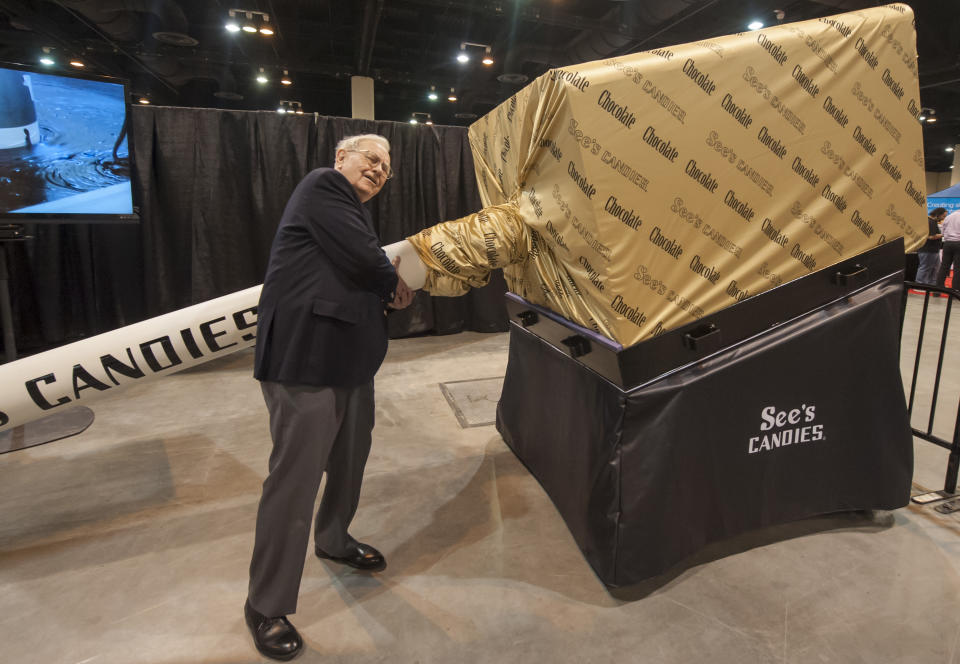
(637, 194)
(460, 254)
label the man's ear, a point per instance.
(338, 159)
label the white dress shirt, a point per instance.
(951, 227)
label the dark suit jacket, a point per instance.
(320, 320)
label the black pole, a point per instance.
(953, 461)
(6, 313)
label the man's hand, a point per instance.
(403, 296)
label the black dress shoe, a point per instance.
(361, 556)
(274, 637)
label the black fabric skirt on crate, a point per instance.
(784, 406)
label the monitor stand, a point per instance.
(12, 232)
(59, 425)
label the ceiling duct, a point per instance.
(372, 11)
(177, 73)
(132, 20)
(478, 102)
(636, 22)
(631, 23)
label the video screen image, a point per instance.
(63, 145)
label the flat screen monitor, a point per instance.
(64, 148)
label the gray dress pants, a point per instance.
(314, 429)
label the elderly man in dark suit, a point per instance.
(321, 336)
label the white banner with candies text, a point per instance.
(80, 372)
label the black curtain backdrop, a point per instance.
(212, 187)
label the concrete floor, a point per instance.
(130, 543)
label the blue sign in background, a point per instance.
(948, 199)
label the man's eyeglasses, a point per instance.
(374, 161)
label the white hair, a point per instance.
(352, 142)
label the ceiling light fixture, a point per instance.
(420, 116)
(262, 77)
(948, 149)
(432, 95)
(463, 57)
(290, 107)
(253, 22)
(46, 59)
(144, 100)
(232, 25)
(286, 78)
(452, 96)
(77, 64)
(755, 25)
(265, 28)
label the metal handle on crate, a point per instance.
(577, 344)
(850, 276)
(528, 318)
(705, 338)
